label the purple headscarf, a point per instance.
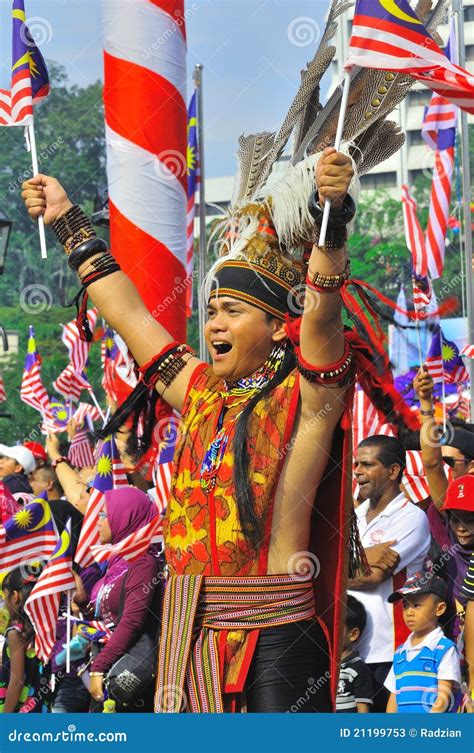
(128, 509)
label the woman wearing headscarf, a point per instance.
(122, 596)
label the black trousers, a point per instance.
(290, 670)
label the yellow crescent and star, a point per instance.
(63, 545)
(28, 56)
(391, 7)
(447, 353)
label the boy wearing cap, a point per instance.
(425, 675)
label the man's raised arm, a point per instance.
(322, 332)
(115, 295)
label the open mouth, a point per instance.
(221, 348)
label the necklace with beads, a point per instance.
(237, 393)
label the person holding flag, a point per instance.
(123, 595)
(21, 670)
(252, 505)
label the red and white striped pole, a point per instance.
(145, 113)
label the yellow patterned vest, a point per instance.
(203, 534)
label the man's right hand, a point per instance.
(44, 196)
(423, 385)
(383, 556)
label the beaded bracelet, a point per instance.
(73, 223)
(165, 366)
(335, 375)
(321, 283)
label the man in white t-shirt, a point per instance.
(396, 537)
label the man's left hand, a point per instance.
(334, 173)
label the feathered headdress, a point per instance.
(367, 137)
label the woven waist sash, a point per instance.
(196, 609)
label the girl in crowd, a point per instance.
(21, 686)
(123, 595)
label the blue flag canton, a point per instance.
(26, 56)
(104, 478)
(398, 13)
(32, 518)
(31, 352)
(63, 552)
(192, 149)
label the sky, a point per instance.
(252, 52)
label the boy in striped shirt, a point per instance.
(425, 675)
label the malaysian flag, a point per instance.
(119, 378)
(444, 361)
(163, 469)
(42, 605)
(439, 132)
(132, 546)
(389, 36)
(80, 453)
(193, 182)
(434, 359)
(32, 391)
(422, 291)
(414, 236)
(86, 412)
(68, 384)
(109, 475)
(366, 422)
(3, 394)
(30, 81)
(74, 378)
(29, 535)
(467, 351)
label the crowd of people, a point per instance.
(282, 589)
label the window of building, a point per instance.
(414, 175)
(414, 138)
(378, 180)
(469, 13)
(419, 97)
(470, 48)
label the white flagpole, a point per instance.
(337, 144)
(443, 386)
(95, 401)
(34, 162)
(417, 325)
(68, 633)
(203, 354)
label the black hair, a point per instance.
(356, 616)
(50, 475)
(23, 580)
(249, 520)
(390, 451)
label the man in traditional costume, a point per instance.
(257, 528)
